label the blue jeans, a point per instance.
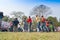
(25, 27)
(44, 28)
(29, 25)
(38, 26)
(0, 22)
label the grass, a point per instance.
(29, 36)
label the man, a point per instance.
(44, 28)
(15, 24)
(5, 26)
(51, 26)
(1, 16)
(29, 20)
(47, 24)
(38, 23)
(11, 26)
(25, 25)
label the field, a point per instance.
(29, 36)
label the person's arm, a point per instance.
(18, 22)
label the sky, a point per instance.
(7, 6)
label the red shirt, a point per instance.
(47, 23)
(43, 19)
(29, 20)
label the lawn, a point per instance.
(29, 36)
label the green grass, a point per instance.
(29, 36)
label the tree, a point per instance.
(18, 14)
(58, 23)
(6, 18)
(11, 19)
(24, 17)
(41, 10)
(54, 20)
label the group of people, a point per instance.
(42, 24)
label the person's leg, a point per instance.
(10, 29)
(0, 23)
(53, 28)
(14, 28)
(39, 27)
(24, 27)
(30, 26)
(48, 28)
(42, 26)
(45, 28)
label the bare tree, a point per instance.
(18, 14)
(41, 10)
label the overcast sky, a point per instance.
(7, 6)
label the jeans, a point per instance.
(25, 27)
(0, 23)
(44, 28)
(48, 29)
(38, 26)
(29, 26)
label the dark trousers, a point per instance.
(0, 23)
(11, 29)
(15, 28)
(38, 26)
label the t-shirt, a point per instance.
(37, 19)
(47, 23)
(1, 15)
(29, 20)
(15, 22)
(43, 19)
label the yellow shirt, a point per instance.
(37, 19)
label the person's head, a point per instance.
(15, 18)
(42, 16)
(36, 15)
(49, 20)
(29, 17)
(46, 19)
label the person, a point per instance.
(29, 20)
(51, 26)
(44, 28)
(5, 26)
(15, 24)
(25, 25)
(1, 16)
(47, 24)
(11, 26)
(20, 28)
(38, 23)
